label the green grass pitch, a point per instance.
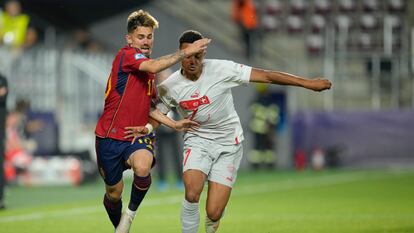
(263, 201)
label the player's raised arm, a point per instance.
(282, 78)
(159, 64)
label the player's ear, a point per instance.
(128, 39)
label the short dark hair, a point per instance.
(190, 36)
(140, 18)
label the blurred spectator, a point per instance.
(15, 31)
(17, 157)
(82, 40)
(265, 117)
(27, 126)
(19, 147)
(244, 14)
(3, 113)
(168, 145)
(32, 37)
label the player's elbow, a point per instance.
(260, 76)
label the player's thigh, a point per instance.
(140, 155)
(196, 156)
(224, 170)
(217, 199)
(110, 160)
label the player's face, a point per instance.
(142, 38)
(192, 65)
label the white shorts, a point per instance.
(219, 162)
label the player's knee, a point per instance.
(141, 168)
(113, 194)
(214, 214)
(192, 196)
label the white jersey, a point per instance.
(208, 100)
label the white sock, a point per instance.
(130, 212)
(211, 227)
(190, 217)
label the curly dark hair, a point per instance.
(190, 36)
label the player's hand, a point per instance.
(197, 46)
(135, 132)
(318, 84)
(186, 125)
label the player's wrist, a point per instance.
(149, 127)
(176, 125)
(182, 53)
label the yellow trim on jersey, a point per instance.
(108, 86)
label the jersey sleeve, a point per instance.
(132, 61)
(165, 101)
(236, 73)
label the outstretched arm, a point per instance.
(162, 63)
(282, 78)
(157, 117)
(181, 125)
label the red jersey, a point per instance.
(128, 95)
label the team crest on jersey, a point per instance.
(194, 104)
(138, 56)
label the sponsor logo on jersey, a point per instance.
(138, 56)
(195, 95)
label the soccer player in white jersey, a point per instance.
(201, 91)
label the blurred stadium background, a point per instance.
(356, 138)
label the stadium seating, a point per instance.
(362, 23)
(323, 6)
(396, 6)
(347, 5)
(317, 23)
(273, 7)
(371, 5)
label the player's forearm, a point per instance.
(154, 122)
(276, 77)
(282, 78)
(162, 63)
(162, 118)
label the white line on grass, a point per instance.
(84, 210)
(251, 189)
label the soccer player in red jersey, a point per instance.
(128, 95)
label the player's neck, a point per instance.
(192, 77)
